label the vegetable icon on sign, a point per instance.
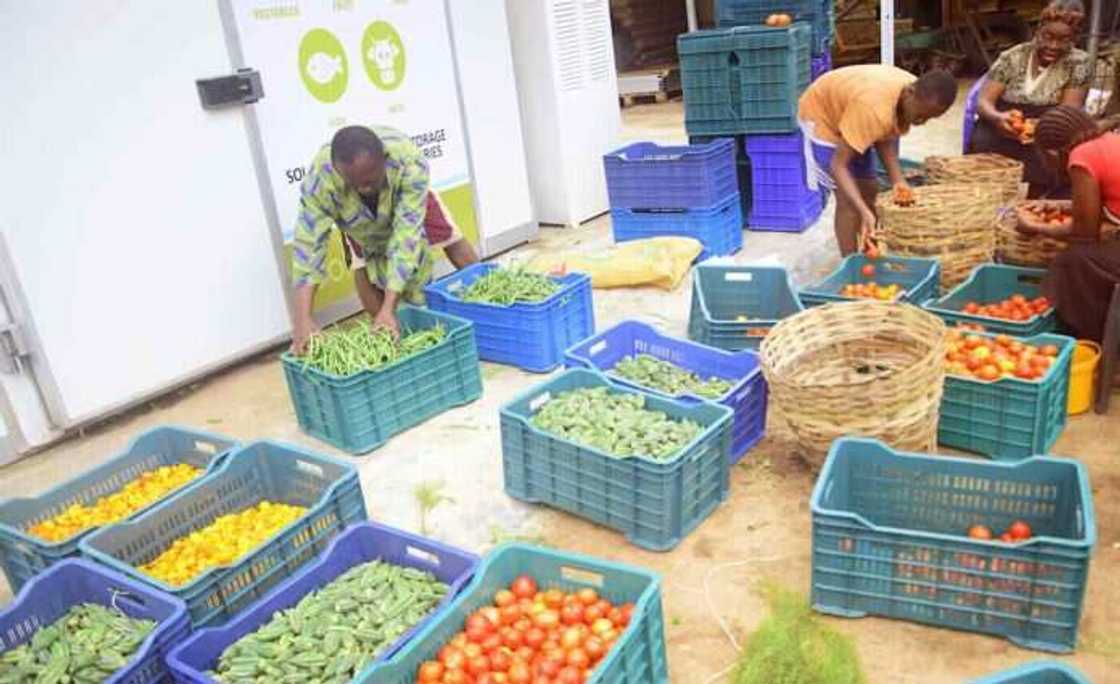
(322, 65)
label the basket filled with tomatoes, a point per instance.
(993, 547)
(1005, 397)
(1002, 299)
(886, 278)
(536, 615)
(1032, 247)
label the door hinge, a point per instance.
(13, 348)
(240, 88)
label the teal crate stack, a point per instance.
(890, 538)
(638, 656)
(1038, 672)
(745, 79)
(655, 503)
(820, 14)
(360, 412)
(734, 307)
(23, 554)
(1009, 418)
(989, 284)
(261, 471)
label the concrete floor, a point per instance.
(710, 581)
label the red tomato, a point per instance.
(1048, 350)
(431, 671)
(524, 654)
(504, 597)
(553, 598)
(594, 647)
(979, 532)
(524, 587)
(501, 660)
(1005, 537)
(452, 658)
(547, 619)
(492, 642)
(534, 637)
(867, 271)
(571, 637)
(479, 620)
(519, 674)
(615, 616)
(1019, 530)
(571, 613)
(456, 677)
(587, 596)
(511, 638)
(578, 659)
(592, 613)
(569, 675)
(508, 614)
(523, 625)
(492, 614)
(477, 633)
(472, 651)
(601, 626)
(548, 668)
(478, 665)
(627, 612)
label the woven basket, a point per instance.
(992, 170)
(1012, 247)
(953, 223)
(867, 368)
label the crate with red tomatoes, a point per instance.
(1005, 397)
(1003, 299)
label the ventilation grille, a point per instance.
(583, 44)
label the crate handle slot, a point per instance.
(540, 400)
(309, 468)
(1028, 279)
(581, 576)
(734, 84)
(658, 211)
(205, 447)
(118, 596)
(455, 286)
(738, 277)
(596, 348)
(423, 555)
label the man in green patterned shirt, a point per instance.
(372, 183)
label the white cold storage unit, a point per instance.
(564, 60)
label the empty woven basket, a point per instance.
(989, 170)
(866, 368)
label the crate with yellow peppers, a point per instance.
(225, 540)
(38, 531)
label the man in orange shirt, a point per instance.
(849, 114)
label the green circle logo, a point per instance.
(383, 55)
(322, 65)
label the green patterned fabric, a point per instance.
(1010, 69)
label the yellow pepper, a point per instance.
(137, 494)
(221, 542)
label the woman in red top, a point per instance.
(1080, 280)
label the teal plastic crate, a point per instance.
(746, 79)
(260, 471)
(24, 555)
(654, 503)
(359, 413)
(721, 294)
(638, 657)
(1038, 672)
(1009, 418)
(991, 283)
(890, 539)
(918, 279)
(818, 13)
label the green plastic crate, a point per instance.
(361, 412)
(638, 657)
(746, 79)
(720, 294)
(990, 283)
(889, 538)
(1009, 418)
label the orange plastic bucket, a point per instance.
(1083, 376)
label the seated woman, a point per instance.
(1080, 280)
(1033, 78)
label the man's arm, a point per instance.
(888, 152)
(407, 243)
(309, 257)
(846, 184)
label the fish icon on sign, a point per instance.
(323, 68)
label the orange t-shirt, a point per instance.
(1099, 157)
(856, 104)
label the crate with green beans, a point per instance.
(645, 465)
(357, 386)
(520, 318)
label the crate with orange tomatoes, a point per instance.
(534, 614)
(1005, 397)
(1003, 299)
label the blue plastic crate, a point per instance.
(529, 336)
(361, 543)
(260, 471)
(638, 657)
(821, 63)
(991, 283)
(718, 228)
(654, 503)
(1038, 672)
(742, 167)
(1009, 418)
(747, 397)
(45, 598)
(721, 295)
(785, 211)
(817, 13)
(918, 279)
(646, 175)
(360, 412)
(23, 555)
(743, 80)
(777, 161)
(890, 539)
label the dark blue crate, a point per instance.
(743, 80)
(991, 283)
(360, 412)
(1038, 672)
(45, 598)
(646, 175)
(821, 65)
(742, 167)
(777, 161)
(655, 503)
(890, 539)
(718, 228)
(361, 543)
(817, 13)
(638, 657)
(918, 278)
(529, 336)
(790, 210)
(746, 398)
(1009, 418)
(260, 471)
(23, 555)
(734, 307)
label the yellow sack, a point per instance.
(662, 262)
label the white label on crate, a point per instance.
(540, 401)
(571, 574)
(455, 286)
(426, 556)
(310, 468)
(206, 447)
(738, 277)
(597, 347)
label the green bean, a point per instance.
(616, 423)
(347, 350)
(508, 286)
(649, 371)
